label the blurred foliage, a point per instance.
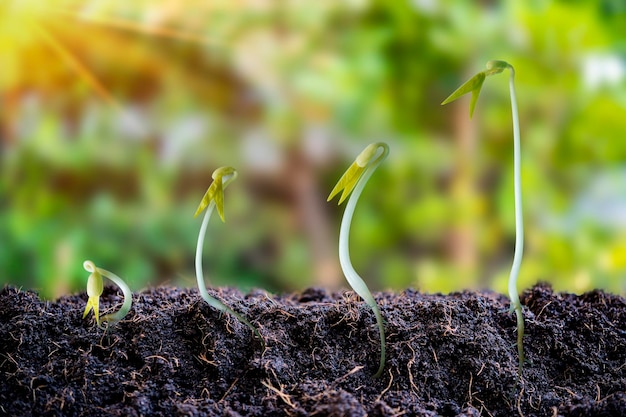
(114, 114)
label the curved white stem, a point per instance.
(355, 281)
(519, 223)
(212, 301)
(128, 297)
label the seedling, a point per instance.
(353, 181)
(474, 85)
(94, 291)
(214, 198)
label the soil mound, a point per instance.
(447, 355)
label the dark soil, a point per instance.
(448, 355)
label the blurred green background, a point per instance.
(114, 114)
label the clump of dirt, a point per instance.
(448, 355)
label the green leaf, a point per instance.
(221, 178)
(208, 196)
(219, 197)
(473, 85)
(347, 182)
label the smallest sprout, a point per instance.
(95, 287)
(94, 291)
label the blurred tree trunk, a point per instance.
(309, 204)
(461, 239)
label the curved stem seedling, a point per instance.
(355, 179)
(94, 290)
(213, 198)
(474, 86)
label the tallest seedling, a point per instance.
(473, 86)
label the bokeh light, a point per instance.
(113, 115)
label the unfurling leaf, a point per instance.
(95, 286)
(349, 179)
(347, 182)
(221, 177)
(472, 85)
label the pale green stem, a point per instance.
(113, 318)
(355, 281)
(519, 225)
(128, 297)
(212, 301)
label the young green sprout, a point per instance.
(353, 181)
(214, 198)
(94, 291)
(474, 85)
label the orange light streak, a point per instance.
(128, 25)
(78, 66)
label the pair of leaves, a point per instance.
(350, 178)
(95, 286)
(221, 178)
(475, 84)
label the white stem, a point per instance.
(355, 281)
(519, 223)
(128, 297)
(212, 301)
(199, 274)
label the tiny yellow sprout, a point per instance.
(355, 179)
(94, 291)
(214, 198)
